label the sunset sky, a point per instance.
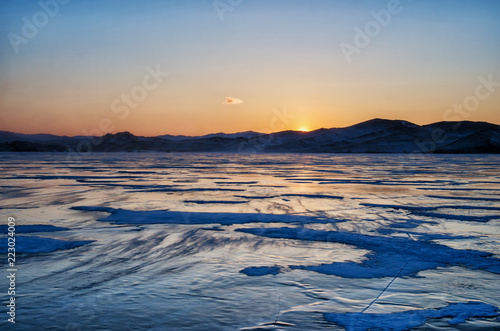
(234, 65)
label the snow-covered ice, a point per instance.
(389, 256)
(456, 312)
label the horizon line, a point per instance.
(250, 131)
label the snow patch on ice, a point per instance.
(457, 312)
(29, 245)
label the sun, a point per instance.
(304, 129)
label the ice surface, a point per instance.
(467, 218)
(195, 189)
(170, 250)
(300, 195)
(457, 312)
(368, 181)
(432, 211)
(226, 202)
(417, 208)
(258, 197)
(51, 177)
(261, 271)
(463, 198)
(313, 196)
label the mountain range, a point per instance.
(373, 136)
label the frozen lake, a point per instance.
(150, 241)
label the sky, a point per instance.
(75, 67)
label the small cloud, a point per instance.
(232, 101)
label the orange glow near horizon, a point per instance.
(155, 68)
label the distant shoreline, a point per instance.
(376, 136)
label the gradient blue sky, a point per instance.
(273, 55)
